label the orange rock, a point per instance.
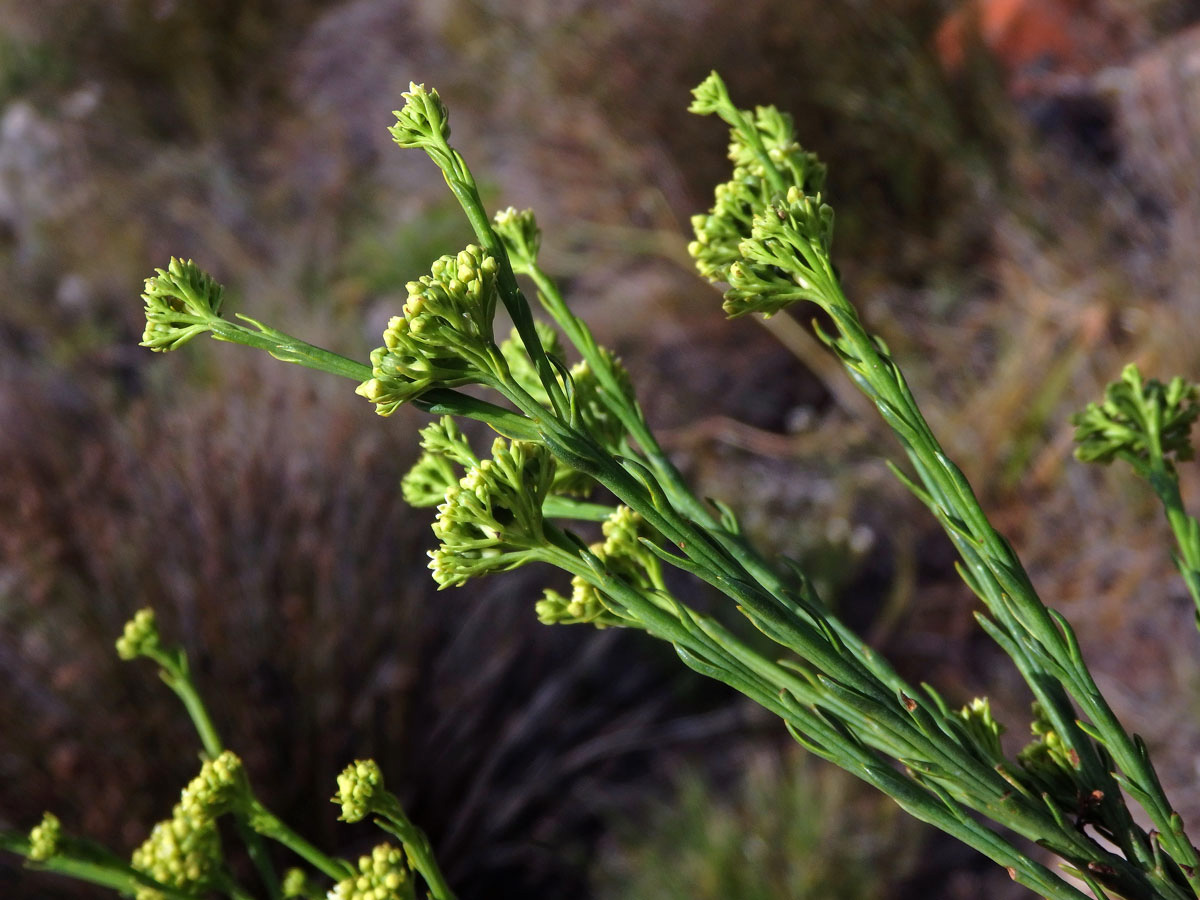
(1023, 35)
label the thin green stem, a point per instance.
(118, 877)
(416, 844)
(287, 348)
(177, 675)
(267, 824)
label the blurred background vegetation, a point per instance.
(1018, 215)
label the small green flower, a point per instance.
(181, 852)
(424, 120)
(520, 366)
(720, 232)
(140, 637)
(1137, 418)
(444, 337)
(44, 838)
(710, 96)
(181, 302)
(360, 786)
(983, 730)
(426, 483)
(216, 790)
(785, 259)
(295, 883)
(491, 520)
(522, 238)
(1051, 765)
(383, 875)
(623, 555)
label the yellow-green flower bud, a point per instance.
(44, 838)
(522, 238)
(444, 337)
(140, 637)
(359, 786)
(295, 883)
(424, 119)
(182, 852)
(181, 302)
(383, 875)
(216, 789)
(983, 730)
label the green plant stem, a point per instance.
(717, 653)
(287, 348)
(557, 506)
(267, 824)
(626, 409)
(462, 184)
(1011, 596)
(1165, 482)
(121, 878)
(416, 845)
(176, 674)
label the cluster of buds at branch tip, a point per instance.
(181, 302)
(44, 838)
(216, 790)
(182, 852)
(140, 637)
(521, 236)
(383, 875)
(491, 520)
(625, 555)
(443, 337)
(360, 787)
(423, 120)
(1138, 419)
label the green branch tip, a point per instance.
(443, 338)
(360, 787)
(218, 789)
(521, 236)
(383, 875)
(1138, 418)
(181, 301)
(424, 121)
(45, 838)
(140, 637)
(710, 96)
(492, 519)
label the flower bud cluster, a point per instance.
(520, 365)
(44, 838)
(181, 852)
(785, 258)
(983, 730)
(360, 786)
(423, 121)
(745, 206)
(383, 875)
(181, 301)
(492, 518)
(444, 336)
(1131, 411)
(443, 446)
(295, 884)
(521, 236)
(216, 790)
(595, 416)
(140, 637)
(625, 556)
(1049, 763)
